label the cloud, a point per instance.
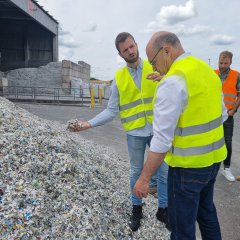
(219, 39)
(68, 43)
(100, 72)
(63, 33)
(172, 14)
(66, 40)
(92, 27)
(170, 17)
(66, 53)
(180, 29)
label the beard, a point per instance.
(132, 60)
(223, 70)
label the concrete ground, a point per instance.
(227, 194)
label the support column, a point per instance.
(26, 46)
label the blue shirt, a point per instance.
(112, 109)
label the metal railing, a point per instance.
(57, 95)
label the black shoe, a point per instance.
(162, 216)
(137, 215)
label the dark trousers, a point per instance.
(228, 134)
(190, 199)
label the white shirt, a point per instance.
(170, 102)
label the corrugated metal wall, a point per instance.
(24, 42)
(11, 45)
(40, 45)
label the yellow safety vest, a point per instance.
(136, 105)
(198, 139)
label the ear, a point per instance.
(167, 50)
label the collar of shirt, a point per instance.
(136, 73)
(139, 67)
(182, 56)
(224, 75)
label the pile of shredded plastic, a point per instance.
(56, 185)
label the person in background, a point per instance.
(231, 92)
(188, 134)
(131, 97)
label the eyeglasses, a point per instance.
(152, 62)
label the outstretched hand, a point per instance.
(77, 126)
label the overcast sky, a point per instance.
(88, 28)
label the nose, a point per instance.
(131, 50)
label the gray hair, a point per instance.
(166, 38)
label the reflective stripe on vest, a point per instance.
(198, 138)
(198, 150)
(136, 116)
(134, 104)
(229, 103)
(230, 95)
(205, 127)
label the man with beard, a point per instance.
(131, 96)
(231, 92)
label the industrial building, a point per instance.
(28, 35)
(29, 65)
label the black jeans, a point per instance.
(228, 134)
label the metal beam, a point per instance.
(36, 12)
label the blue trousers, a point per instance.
(136, 150)
(190, 199)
